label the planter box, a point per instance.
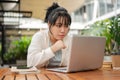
(21, 62)
(116, 61)
(0, 60)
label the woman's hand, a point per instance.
(58, 45)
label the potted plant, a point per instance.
(101, 28)
(18, 50)
(110, 28)
(115, 34)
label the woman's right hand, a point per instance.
(58, 45)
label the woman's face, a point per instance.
(59, 30)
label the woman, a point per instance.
(51, 47)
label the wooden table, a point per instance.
(102, 74)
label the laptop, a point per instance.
(86, 53)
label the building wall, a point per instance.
(38, 6)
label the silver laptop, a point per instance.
(86, 53)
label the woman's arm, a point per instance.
(38, 54)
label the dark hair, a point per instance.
(54, 12)
(49, 10)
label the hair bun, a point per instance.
(54, 6)
(50, 9)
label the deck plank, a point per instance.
(9, 77)
(31, 77)
(53, 76)
(42, 77)
(64, 76)
(20, 77)
(3, 71)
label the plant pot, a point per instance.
(115, 61)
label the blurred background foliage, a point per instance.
(18, 49)
(109, 28)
